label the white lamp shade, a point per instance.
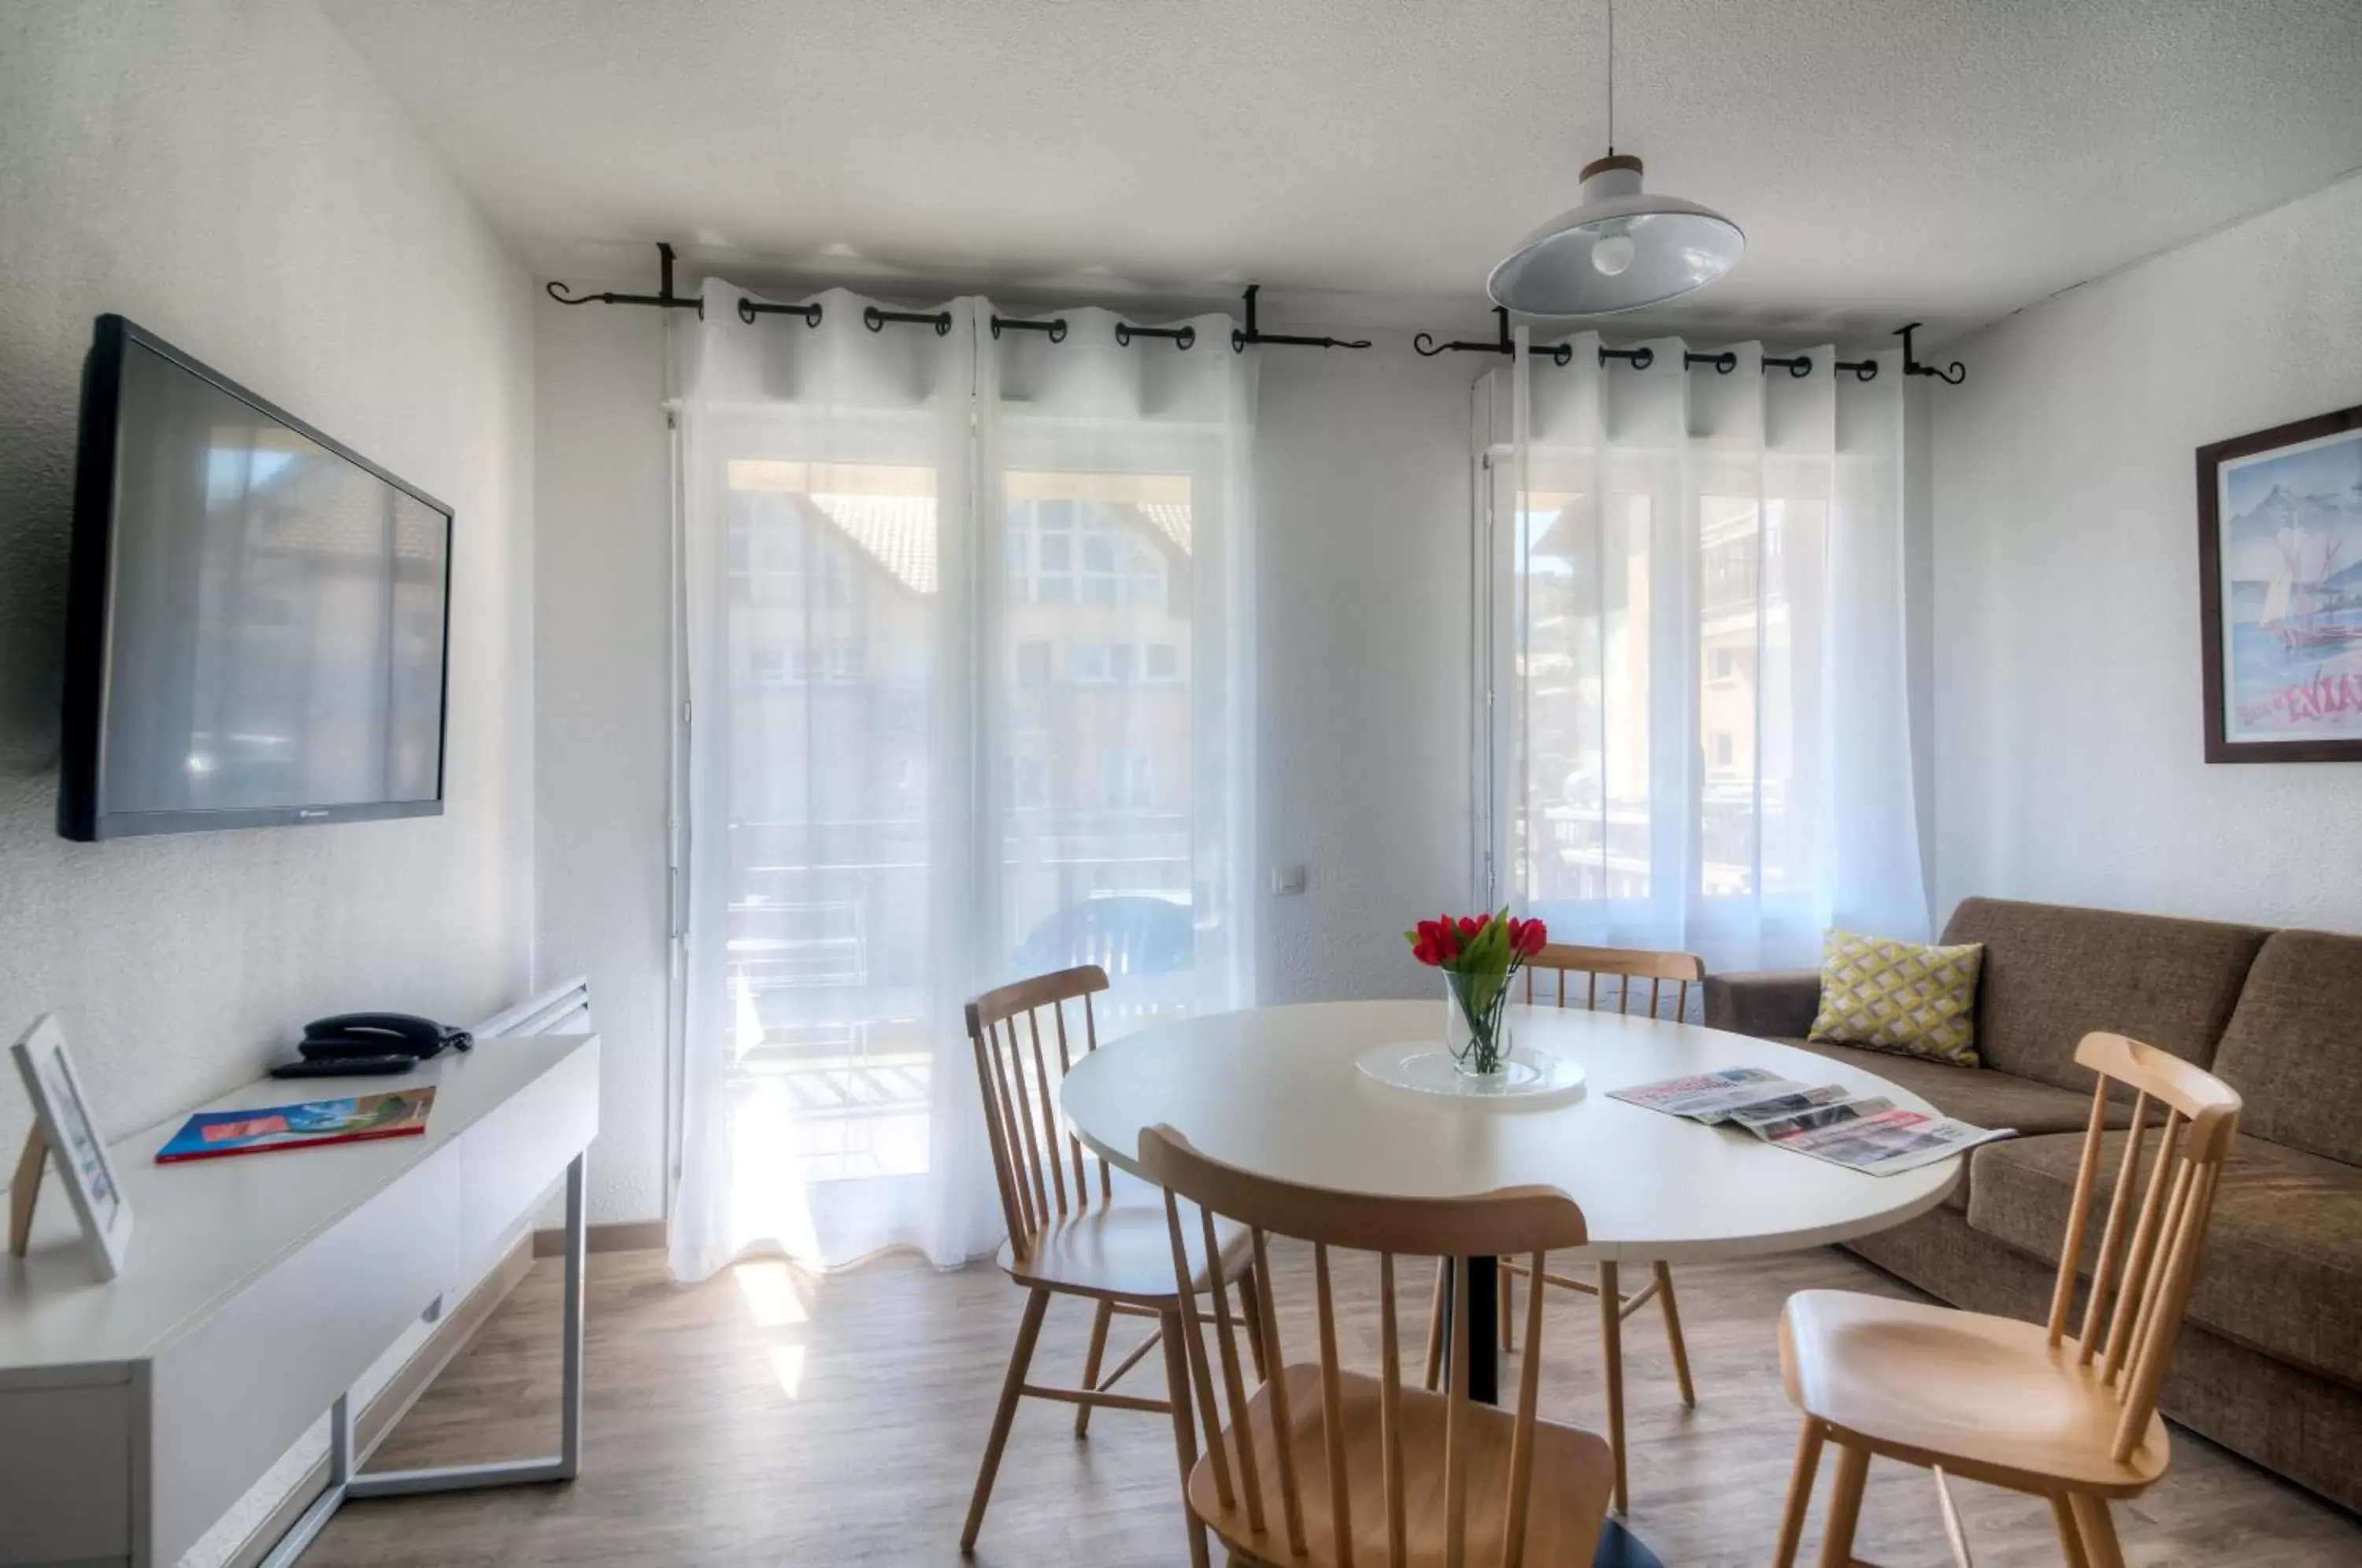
(1672, 246)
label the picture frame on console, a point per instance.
(63, 1126)
(2280, 583)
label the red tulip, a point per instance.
(1532, 940)
(1425, 952)
(1470, 925)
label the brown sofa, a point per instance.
(2271, 1361)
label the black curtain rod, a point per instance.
(1724, 362)
(1640, 358)
(1241, 337)
(664, 299)
(1912, 367)
(1427, 348)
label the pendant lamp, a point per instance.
(1620, 249)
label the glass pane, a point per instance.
(1730, 623)
(1096, 853)
(833, 622)
(1581, 723)
(1793, 537)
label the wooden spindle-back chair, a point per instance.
(1071, 1230)
(1626, 966)
(1323, 1464)
(1915, 1382)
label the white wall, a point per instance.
(2069, 740)
(1362, 504)
(1361, 622)
(230, 175)
(603, 639)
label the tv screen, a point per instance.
(259, 615)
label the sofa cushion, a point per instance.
(1972, 1094)
(2294, 1046)
(2282, 1268)
(2053, 974)
(1899, 996)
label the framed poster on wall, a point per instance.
(2280, 586)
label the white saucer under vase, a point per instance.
(1422, 1067)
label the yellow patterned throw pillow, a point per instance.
(1900, 996)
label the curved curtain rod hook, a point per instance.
(1425, 346)
(1912, 367)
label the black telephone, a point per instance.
(351, 1044)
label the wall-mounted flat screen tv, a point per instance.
(259, 617)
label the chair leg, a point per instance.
(1508, 1296)
(1845, 1507)
(1800, 1493)
(1435, 1324)
(1250, 1299)
(2070, 1535)
(2098, 1529)
(1185, 1432)
(1673, 1334)
(1611, 1371)
(1091, 1359)
(1029, 1329)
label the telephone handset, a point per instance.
(348, 1035)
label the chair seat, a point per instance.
(1122, 1250)
(1987, 1396)
(1572, 1474)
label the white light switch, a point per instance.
(1287, 879)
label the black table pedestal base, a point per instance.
(1618, 1548)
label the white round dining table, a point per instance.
(1276, 1090)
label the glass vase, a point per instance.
(1476, 1023)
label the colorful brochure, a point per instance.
(209, 1134)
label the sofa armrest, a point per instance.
(1770, 1003)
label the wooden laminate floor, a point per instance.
(767, 1417)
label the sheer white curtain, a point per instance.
(965, 614)
(1700, 734)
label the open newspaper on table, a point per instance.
(1866, 1133)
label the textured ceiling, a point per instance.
(1952, 159)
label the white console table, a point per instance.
(257, 1291)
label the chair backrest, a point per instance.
(1529, 1221)
(1628, 964)
(2147, 1257)
(1030, 1155)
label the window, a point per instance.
(1164, 662)
(1693, 680)
(1088, 661)
(795, 664)
(1127, 780)
(1034, 662)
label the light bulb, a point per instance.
(1612, 254)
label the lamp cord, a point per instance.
(1611, 78)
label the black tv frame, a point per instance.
(83, 815)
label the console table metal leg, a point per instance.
(342, 1483)
(577, 1240)
(308, 1525)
